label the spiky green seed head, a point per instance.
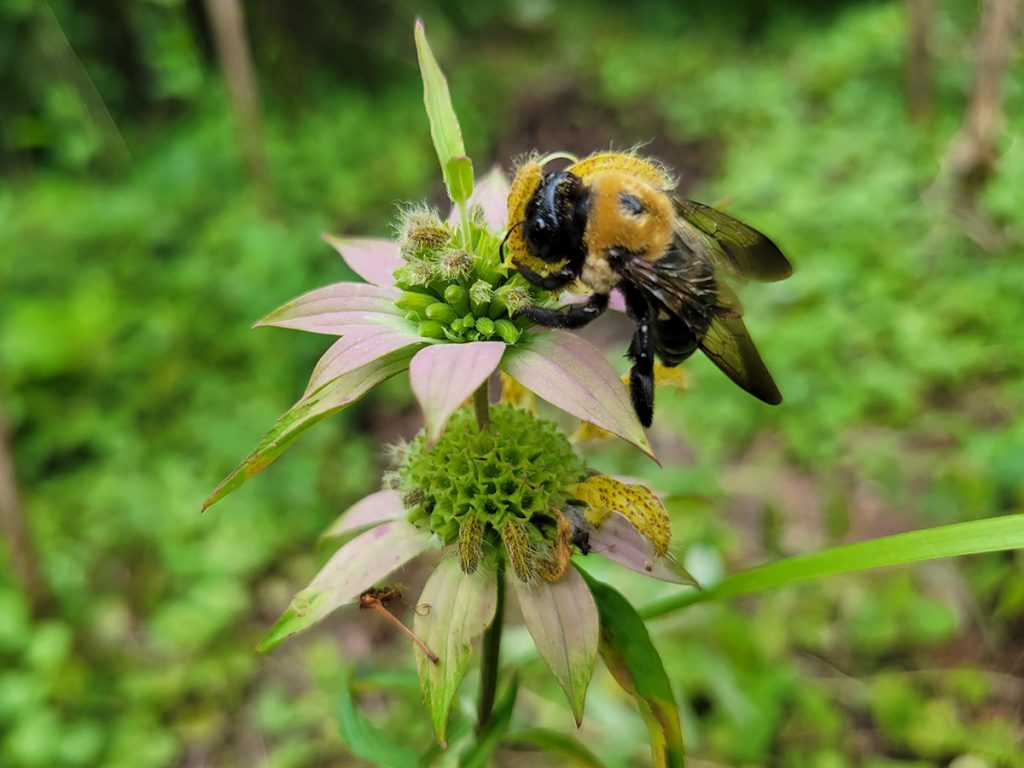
(518, 470)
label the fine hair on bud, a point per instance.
(471, 535)
(396, 453)
(421, 229)
(454, 264)
(520, 554)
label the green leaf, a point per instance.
(330, 398)
(563, 621)
(365, 741)
(458, 175)
(444, 125)
(635, 664)
(991, 535)
(453, 610)
(555, 743)
(482, 750)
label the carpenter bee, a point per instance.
(610, 221)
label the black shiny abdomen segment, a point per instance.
(674, 341)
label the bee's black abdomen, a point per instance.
(673, 340)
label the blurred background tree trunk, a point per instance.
(920, 67)
(24, 563)
(227, 25)
(972, 154)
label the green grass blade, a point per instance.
(363, 739)
(989, 535)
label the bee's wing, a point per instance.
(735, 247)
(728, 344)
(682, 280)
(687, 287)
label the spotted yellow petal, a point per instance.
(637, 503)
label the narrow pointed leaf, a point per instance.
(991, 535)
(444, 125)
(562, 619)
(630, 656)
(364, 740)
(555, 743)
(334, 309)
(373, 259)
(459, 176)
(617, 539)
(375, 509)
(453, 610)
(445, 375)
(572, 374)
(361, 346)
(312, 408)
(354, 568)
(491, 194)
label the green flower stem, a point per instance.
(492, 651)
(482, 406)
(467, 237)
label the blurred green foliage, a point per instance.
(132, 382)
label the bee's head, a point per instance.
(556, 217)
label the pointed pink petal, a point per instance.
(360, 346)
(443, 376)
(618, 540)
(617, 301)
(572, 374)
(373, 259)
(357, 566)
(491, 193)
(453, 610)
(562, 618)
(374, 509)
(316, 406)
(335, 308)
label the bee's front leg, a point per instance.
(641, 351)
(552, 282)
(574, 316)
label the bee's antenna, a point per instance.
(558, 156)
(501, 248)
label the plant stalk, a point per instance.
(481, 403)
(492, 651)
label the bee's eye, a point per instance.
(631, 204)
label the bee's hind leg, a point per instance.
(641, 352)
(574, 316)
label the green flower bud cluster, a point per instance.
(498, 486)
(454, 290)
